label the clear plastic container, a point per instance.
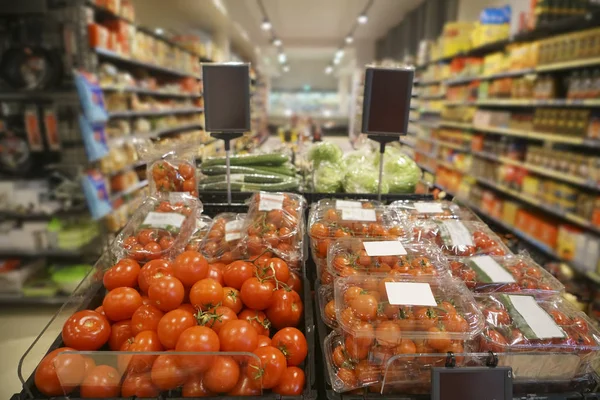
(462, 239)
(560, 341)
(440, 209)
(173, 174)
(203, 224)
(509, 274)
(327, 306)
(364, 256)
(323, 273)
(339, 204)
(221, 243)
(160, 228)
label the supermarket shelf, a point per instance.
(154, 134)
(154, 113)
(430, 111)
(430, 125)
(568, 65)
(539, 103)
(499, 75)
(449, 145)
(430, 82)
(129, 190)
(129, 167)
(150, 92)
(25, 95)
(115, 57)
(86, 249)
(459, 125)
(10, 300)
(433, 97)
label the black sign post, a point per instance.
(226, 105)
(386, 107)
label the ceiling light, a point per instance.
(277, 42)
(336, 61)
(266, 25)
(329, 69)
(362, 19)
(349, 39)
(282, 58)
(159, 31)
(339, 53)
(286, 68)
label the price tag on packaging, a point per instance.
(459, 234)
(359, 214)
(410, 294)
(384, 248)
(342, 204)
(233, 230)
(494, 271)
(160, 220)
(541, 324)
(428, 208)
(270, 201)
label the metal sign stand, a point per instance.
(227, 137)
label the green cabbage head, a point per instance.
(400, 172)
(324, 151)
(328, 177)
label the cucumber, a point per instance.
(238, 169)
(287, 184)
(288, 170)
(259, 159)
(245, 178)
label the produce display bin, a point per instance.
(313, 197)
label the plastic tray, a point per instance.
(223, 237)
(440, 209)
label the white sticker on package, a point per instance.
(359, 214)
(162, 220)
(233, 230)
(459, 234)
(270, 201)
(384, 248)
(428, 208)
(410, 294)
(492, 269)
(341, 204)
(540, 322)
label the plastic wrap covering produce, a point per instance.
(328, 177)
(203, 223)
(324, 151)
(400, 173)
(221, 243)
(337, 203)
(327, 306)
(558, 341)
(509, 274)
(173, 175)
(160, 228)
(460, 238)
(275, 223)
(432, 210)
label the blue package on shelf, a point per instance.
(94, 139)
(96, 194)
(91, 97)
(495, 16)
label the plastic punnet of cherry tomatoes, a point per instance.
(203, 223)
(174, 176)
(221, 243)
(439, 210)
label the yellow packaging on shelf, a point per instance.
(531, 185)
(567, 242)
(485, 34)
(509, 212)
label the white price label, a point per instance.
(359, 214)
(233, 230)
(384, 248)
(491, 268)
(341, 204)
(162, 220)
(428, 208)
(459, 234)
(270, 201)
(410, 294)
(540, 322)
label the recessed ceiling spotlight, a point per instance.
(339, 53)
(266, 25)
(349, 39)
(277, 42)
(159, 31)
(362, 19)
(329, 69)
(282, 58)
(286, 68)
(336, 61)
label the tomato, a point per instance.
(86, 330)
(245, 386)
(102, 381)
(560, 318)
(119, 333)
(292, 343)
(100, 310)
(146, 236)
(319, 231)
(129, 242)
(146, 341)
(122, 274)
(145, 318)
(495, 341)
(257, 319)
(231, 299)
(166, 373)
(153, 270)
(189, 308)
(171, 325)
(266, 370)
(256, 293)
(426, 318)
(263, 341)
(215, 272)
(286, 309)
(295, 282)
(406, 346)
(190, 267)
(120, 303)
(277, 268)
(215, 318)
(387, 334)
(456, 323)
(206, 294)
(89, 364)
(238, 335)
(439, 340)
(166, 293)
(140, 385)
(198, 339)
(223, 375)
(329, 311)
(347, 377)
(236, 273)
(291, 382)
(194, 387)
(496, 316)
(364, 307)
(355, 348)
(58, 374)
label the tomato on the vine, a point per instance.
(245, 386)
(86, 330)
(292, 343)
(257, 319)
(216, 317)
(291, 382)
(206, 294)
(286, 309)
(197, 339)
(236, 273)
(232, 299)
(257, 293)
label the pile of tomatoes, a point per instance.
(174, 176)
(529, 277)
(168, 306)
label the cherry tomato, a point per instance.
(139, 385)
(58, 374)
(102, 381)
(146, 341)
(166, 293)
(197, 339)
(286, 309)
(560, 318)
(496, 316)
(122, 274)
(146, 236)
(186, 171)
(190, 267)
(387, 334)
(194, 387)
(223, 375)
(86, 330)
(129, 242)
(145, 318)
(231, 299)
(119, 304)
(347, 377)
(119, 333)
(172, 325)
(166, 242)
(277, 268)
(152, 250)
(291, 382)
(151, 271)
(238, 335)
(439, 340)
(266, 371)
(495, 341)
(166, 373)
(189, 185)
(257, 319)
(292, 343)
(236, 273)
(256, 294)
(206, 294)
(245, 386)
(319, 231)
(295, 282)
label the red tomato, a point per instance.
(89, 364)
(236, 273)
(190, 267)
(166, 373)
(146, 236)
(295, 282)
(197, 339)
(145, 318)
(100, 310)
(206, 294)
(146, 341)
(263, 341)
(189, 308)
(257, 319)
(166, 293)
(166, 242)
(266, 371)
(216, 317)
(122, 274)
(140, 385)
(120, 303)
(238, 335)
(231, 299)
(86, 330)
(222, 375)
(277, 268)
(215, 272)
(285, 309)
(292, 343)
(291, 382)
(119, 333)
(172, 325)
(102, 381)
(153, 270)
(194, 387)
(152, 251)
(256, 294)
(187, 171)
(129, 242)
(58, 374)
(245, 386)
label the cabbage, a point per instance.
(328, 177)
(363, 178)
(357, 157)
(400, 172)
(324, 151)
